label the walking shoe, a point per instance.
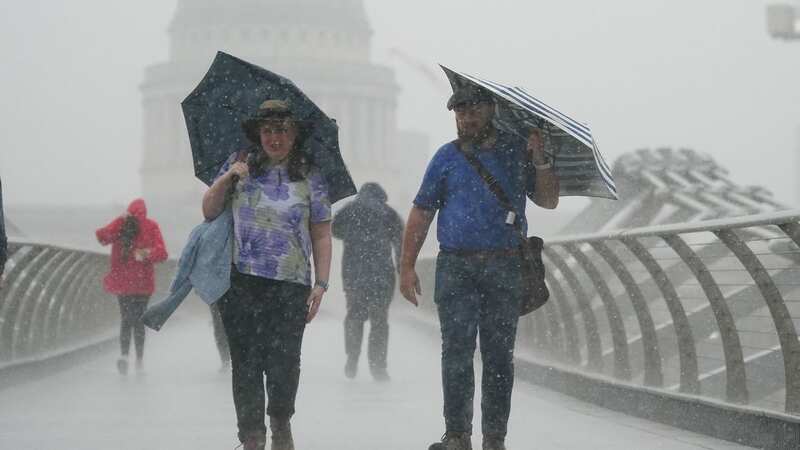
(453, 440)
(122, 365)
(351, 368)
(380, 375)
(139, 365)
(491, 442)
(256, 440)
(281, 434)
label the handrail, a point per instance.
(712, 317)
(756, 220)
(52, 301)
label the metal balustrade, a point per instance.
(708, 308)
(52, 302)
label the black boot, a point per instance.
(380, 375)
(351, 368)
(453, 440)
(255, 440)
(281, 434)
(494, 442)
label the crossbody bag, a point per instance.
(534, 286)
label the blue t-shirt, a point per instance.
(470, 216)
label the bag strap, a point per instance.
(491, 183)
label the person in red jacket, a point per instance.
(136, 245)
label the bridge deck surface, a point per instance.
(182, 401)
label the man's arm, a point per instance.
(546, 187)
(397, 238)
(419, 221)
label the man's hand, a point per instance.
(536, 147)
(409, 284)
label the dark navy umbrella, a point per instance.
(579, 166)
(230, 92)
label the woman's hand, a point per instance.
(141, 254)
(215, 197)
(313, 302)
(239, 170)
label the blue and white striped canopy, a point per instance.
(579, 166)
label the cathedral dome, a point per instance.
(322, 14)
(272, 28)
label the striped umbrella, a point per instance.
(579, 166)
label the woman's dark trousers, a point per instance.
(478, 297)
(264, 320)
(131, 308)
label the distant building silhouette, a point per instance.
(324, 46)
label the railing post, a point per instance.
(687, 352)
(29, 299)
(736, 380)
(556, 334)
(52, 314)
(16, 294)
(34, 339)
(787, 333)
(622, 364)
(567, 318)
(594, 347)
(653, 375)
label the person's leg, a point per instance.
(242, 313)
(219, 336)
(354, 329)
(125, 329)
(286, 324)
(501, 290)
(125, 324)
(457, 303)
(379, 334)
(138, 306)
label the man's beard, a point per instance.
(478, 137)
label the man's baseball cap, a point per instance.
(469, 95)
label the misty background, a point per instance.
(702, 75)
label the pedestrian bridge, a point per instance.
(671, 337)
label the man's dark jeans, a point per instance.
(264, 321)
(478, 296)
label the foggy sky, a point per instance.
(642, 73)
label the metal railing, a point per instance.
(709, 308)
(52, 302)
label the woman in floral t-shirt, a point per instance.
(281, 217)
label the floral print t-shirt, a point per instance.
(271, 217)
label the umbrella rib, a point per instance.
(536, 102)
(570, 125)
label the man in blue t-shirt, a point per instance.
(478, 272)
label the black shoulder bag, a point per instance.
(534, 286)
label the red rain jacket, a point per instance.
(131, 277)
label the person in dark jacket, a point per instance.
(369, 229)
(3, 240)
(136, 245)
